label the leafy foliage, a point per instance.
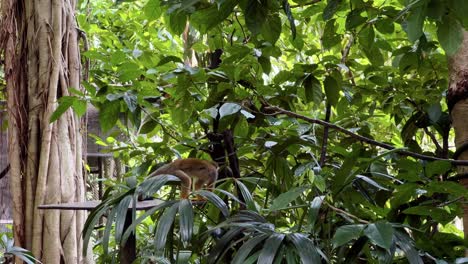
(179, 76)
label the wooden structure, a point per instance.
(128, 250)
(5, 198)
(101, 163)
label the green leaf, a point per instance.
(415, 21)
(330, 9)
(247, 195)
(255, 13)
(167, 59)
(228, 109)
(380, 234)
(408, 61)
(437, 167)
(374, 55)
(152, 10)
(177, 22)
(346, 233)
(329, 37)
(207, 18)
(271, 29)
(460, 8)
(367, 37)
(314, 210)
(332, 90)
(185, 221)
(64, 103)
(354, 19)
(450, 34)
(109, 114)
(80, 106)
(164, 226)
(247, 247)
(312, 89)
(270, 249)
(216, 200)
(284, 199)
(305, 248)
(406, 244)
(131, 101)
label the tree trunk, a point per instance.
(457, 98)
(39, 40)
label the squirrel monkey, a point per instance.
(203, 171)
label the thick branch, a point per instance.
(278, 110)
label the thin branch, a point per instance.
(450, 202)
(338, 210)
(323, 152)
(434, 139)
(242, 28)
(307, 4)
(278, 110)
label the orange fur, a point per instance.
(202, 171)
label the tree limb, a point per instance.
(277, 110)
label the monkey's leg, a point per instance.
(186, 183)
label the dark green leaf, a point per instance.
(406, 244)
(177, 22)
(312, 89)
(380, 234)
(109, 114)
(284, 199)
(330, 9)
(214, 199)
(247, 195)
(332, 90)
(270, 249)
(346, 233)
(314, 210)
(329, 37)
(305, 248)
(415, 21)
(450, 34)
(255, 12)
(167, 59)
(245, 250)
(271, 29)
(186, 221)
(354, 19)
(437, 167)
(207, 18)
(164, 226)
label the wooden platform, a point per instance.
(90, 205)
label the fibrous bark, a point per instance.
(39, 41)
(458, 102)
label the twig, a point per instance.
(306, 4)
(338, 210)
(434, 139)
(279, 110)
(450, 202)
(323, 152)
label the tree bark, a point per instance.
(39, 40)
(457, 99)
